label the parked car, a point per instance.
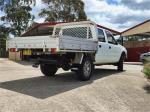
(76, 46)
(145, 57)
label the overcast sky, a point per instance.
(118, 14)
(115, 14)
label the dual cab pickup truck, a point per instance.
(76, 46)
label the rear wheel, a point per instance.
(48, 70)
(85, 70)
(120, 63)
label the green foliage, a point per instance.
(147, 70)
(64, 10)
(17, 15)
(4, 32)
(4, 3)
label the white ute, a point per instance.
(78, 46)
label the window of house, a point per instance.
(40, 31)
(45, 31)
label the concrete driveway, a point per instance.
(25, 89)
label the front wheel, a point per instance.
(120, 63)
(48, 70)
(85, 69)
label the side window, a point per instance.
(110, 38)
(101, 36)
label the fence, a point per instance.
(136, 48)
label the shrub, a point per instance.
(147, 70)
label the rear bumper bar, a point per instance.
(44, 61)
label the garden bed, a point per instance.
(146, 70)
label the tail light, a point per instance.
(12, 49)
(53, 50)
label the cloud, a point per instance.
(39, 19)
(137, 4)
(1, 14)
(36, 10)
(118, 15)
(115, 14)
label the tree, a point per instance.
(3, 3)
(4, 32)
(17, 15)
(64, 10)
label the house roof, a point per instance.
(143, 27)
(54, 23)
(39, 25)
(111, 30)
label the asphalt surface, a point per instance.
(25, 89)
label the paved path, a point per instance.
(25, 89)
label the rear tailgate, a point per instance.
(33, 42)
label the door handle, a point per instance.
(109, 47)
(100, 46)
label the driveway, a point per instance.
(25, 89)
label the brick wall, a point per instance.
(137, 44)
(136, 48)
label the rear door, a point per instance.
(102, 53)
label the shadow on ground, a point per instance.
(134, 63)
(44, 87)
(25, 63)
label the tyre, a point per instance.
(48, 70)
(85, 70)
(120, 63)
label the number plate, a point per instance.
(27, 52)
